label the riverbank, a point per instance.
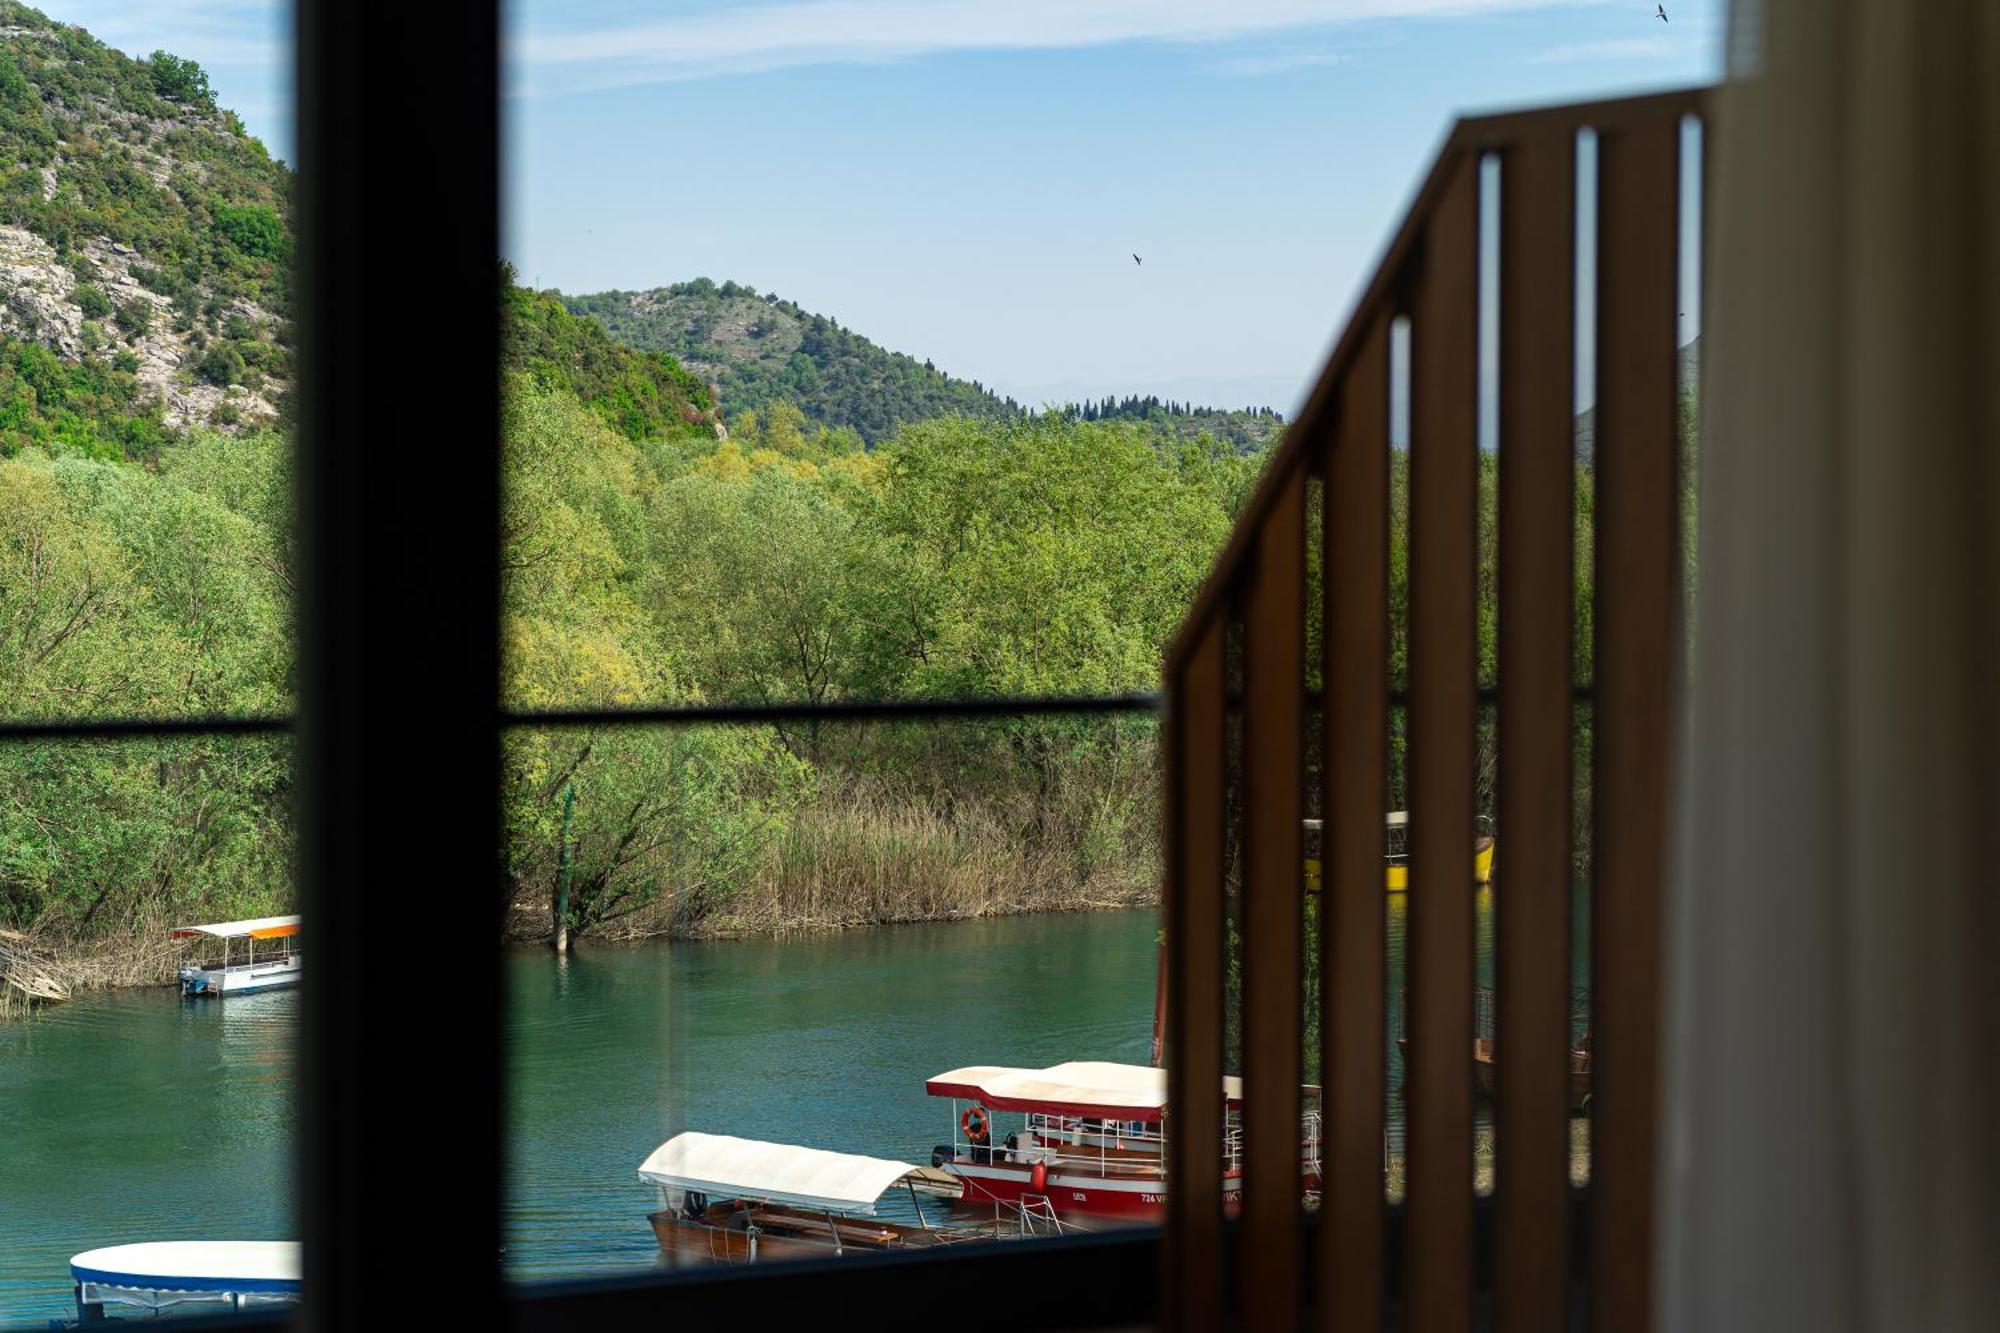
(861, 863)
(794, 898)
(137, 956)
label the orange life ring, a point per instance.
(973, 1122)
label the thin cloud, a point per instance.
(749, 38)
(216, 33)
(1624, 48)
(1252, 66)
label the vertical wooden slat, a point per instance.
(1353, 907)
(1271, 1260)
(1638, 175)
(1196, 760)
(1537, 544)
(1443, 530)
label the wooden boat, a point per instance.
(731, 1200)
(153, 1275)
(1396, 871)
(1092, 1139)
(241, 973)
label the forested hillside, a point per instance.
(1248, 428)
(959, 557)
(144, 249)
(642, 395)
(650, 556)
(760, 349)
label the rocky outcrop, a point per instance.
(39, 300)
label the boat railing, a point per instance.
(1038, 1216)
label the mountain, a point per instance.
(643, 395)
(760, 348)
(1687, 375)
(145, 246)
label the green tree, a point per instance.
(178, 79)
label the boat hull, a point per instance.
(1137, 1198)
(685, 1244)
(241, 980)
(785, 1233)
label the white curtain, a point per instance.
(1831, 1155)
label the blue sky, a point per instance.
(967, 179)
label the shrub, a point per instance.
(222, 365)
(94, 303)
(135, 317)
(252, 229)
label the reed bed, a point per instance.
(36, 971)
(869, 854)
(872, 860)
(27, 974)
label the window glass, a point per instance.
(146, 1074)
(147, 564)
(146, 350)
(787, 941)
(881, 355)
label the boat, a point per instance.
(732, 1200)
(1396, 872)
(1485, 1067)
(155, 1275)
(1092, 1138)
(244, 973)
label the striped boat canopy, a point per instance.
(257, 928)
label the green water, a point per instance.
(823, 1041)
(139, 1116)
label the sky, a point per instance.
(968, 180)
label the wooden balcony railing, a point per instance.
(1240, 662)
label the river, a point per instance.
(136, 1115)
(139, 1116)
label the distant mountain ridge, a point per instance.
(758, 348)
(1687, 375)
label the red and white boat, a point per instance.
(1091, 1139)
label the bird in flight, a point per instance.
(1661, 10)
(1138, 261)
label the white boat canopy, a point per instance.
(1396, 819)
(256, 928)
(155, 1274)
(735, 1168)
(1097, 1088)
